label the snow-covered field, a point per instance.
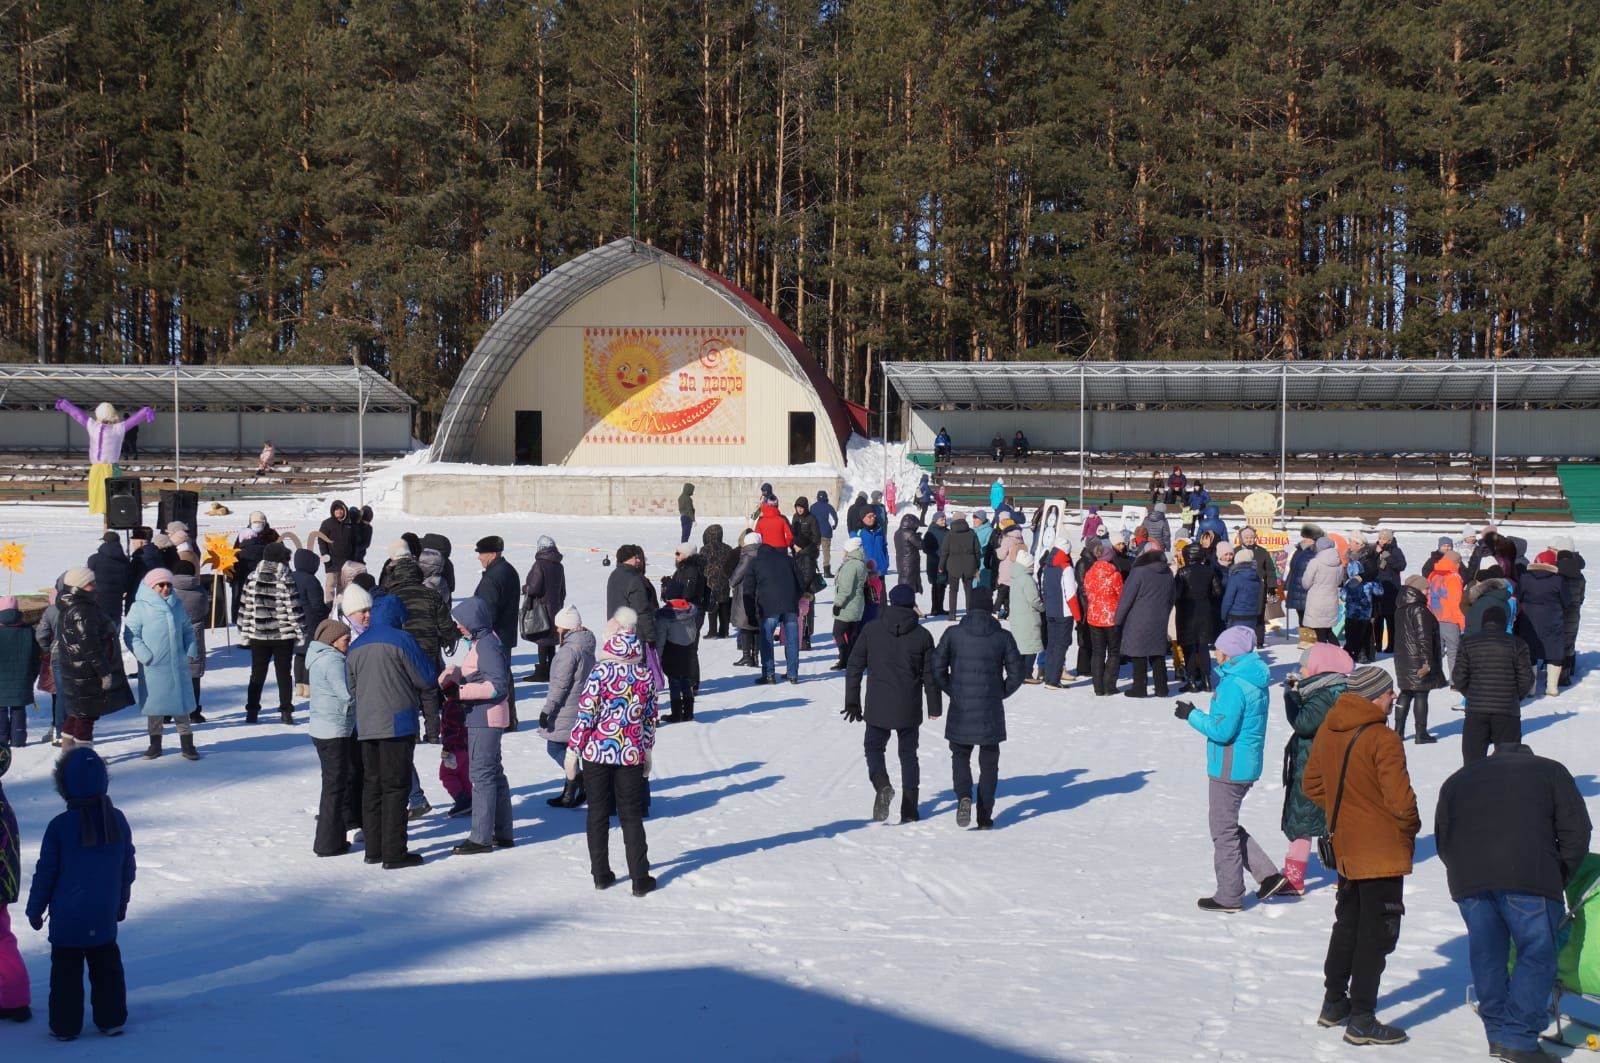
(788, 926)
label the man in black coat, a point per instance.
(1391, 572)
(852, 516)
(958, 560)
(897, 654)
(978, 666)
(1494, 673)
(143, 556)
(1570, 564)
(627, 586)
(1512, 831)
(778, 588)
(337, 536)
(111, 582)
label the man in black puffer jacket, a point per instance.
(428, 621)
(908, 552)
(958, 560)
(897, 655)
(1570, 564)
(111, 577)
(1512, 832)
(977, 665)
(1494, 673)
(628, 586)
(316, 608)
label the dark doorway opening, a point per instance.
(802, 438)
(530, 437)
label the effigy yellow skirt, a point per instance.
(97, 485)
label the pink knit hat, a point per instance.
(157, 575)
(1325, 657)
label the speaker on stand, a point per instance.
(124, 503)
(179, 505)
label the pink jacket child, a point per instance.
(889, 493)
(453, 771)
(105, 436)
(14, 995)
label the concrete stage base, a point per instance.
(602, 494)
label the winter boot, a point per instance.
(286, 715)
(1421, 710)
(1567, 666)
(1272, 886)
(964, 812)
(155, 748)
(1367, 1030)
(688, 709)
(908, 806)
(1552, 680)
(1294, 864)
(1402, 709)
(1335, 1011)
(985, 815)
(196, 717)
(880, 803)
(1211, 904)
(187, 742)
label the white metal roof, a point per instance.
(203, 387)
(1415, 384)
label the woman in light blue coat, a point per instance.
(333, 732)
(157, 631)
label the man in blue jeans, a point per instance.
(1512, 830)
(778, 590)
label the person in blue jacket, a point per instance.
(941, 445)
(1210, 522)
(83, 881)
(827, 523)
(1236, 736)
(997, 495)
(1241, 594)
(874, 547)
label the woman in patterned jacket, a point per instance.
(273, 623)
(612, 739)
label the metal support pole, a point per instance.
(177, 427)
(1283, 446)
(883, 426)
(1082, 442)
(1494, 442)
(361, 440)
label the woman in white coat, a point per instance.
(1321, 580)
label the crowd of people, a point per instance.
(370, 655)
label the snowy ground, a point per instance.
(787, 926)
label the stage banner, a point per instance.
(670, 386)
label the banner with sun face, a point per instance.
(671, 386)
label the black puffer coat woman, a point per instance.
(1418, 657)
(719, 560)
(908, 557)
(547, 581)
(88, 660)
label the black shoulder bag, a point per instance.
(1325, 851)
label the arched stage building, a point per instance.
(614, 375)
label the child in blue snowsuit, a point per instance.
(1359, 596)
(83, 880)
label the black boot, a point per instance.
(688, 709)
(1420, 708)
(570, 795)
(881, 800)
(908, 806)
(196, 717)
(1402, 709)
(1566, 671)
(155, 748)
(187, 742)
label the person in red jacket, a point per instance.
(773, 527)
(1102, 590)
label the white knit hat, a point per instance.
(568, 619)
(753, 539)
(1023, 558)
(77, 577)
(354, 599)
(1559, 543)
(625, 618)
(852, 544)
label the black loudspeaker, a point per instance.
(179, 505)
(124, 503)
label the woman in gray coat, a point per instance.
(573, 661)
(1142, 614)
(1027, 612)
(1321, 581)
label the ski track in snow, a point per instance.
(788, 925)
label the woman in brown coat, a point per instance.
(1374, 835)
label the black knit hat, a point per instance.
(491, 544)
(1310, 531)
(981, 600)
(276, 552)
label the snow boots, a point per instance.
(1367, 1030)
(571, 795)
(1295, 863)
(1552, 680)
(1567, 667)
(908, 806)
(186, 742)
(964, 812)
(881, 803)
(155, 748)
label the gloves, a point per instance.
(105, 683)
(546, 722)
(1184, 708)
(852, 714)
(36, 921)
(571, 765)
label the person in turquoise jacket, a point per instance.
(997, 493)
(1236, 738)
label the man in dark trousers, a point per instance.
(337, 535)
(1358, 764)
(777, 594)
(1512, 830)
(897, 654)
(628, 586)
(978, 666)
(500, 588)
(1494, 673)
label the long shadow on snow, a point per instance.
(1529, 725)
(1060, 792)
(711, 715)
(695, 859)
(1436, 990)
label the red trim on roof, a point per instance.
(832, 402)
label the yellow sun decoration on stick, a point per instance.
(221, 554)
(11, 559)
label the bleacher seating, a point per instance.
(54, 477)
(1364, 487)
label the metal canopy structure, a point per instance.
(1414, 384)
(310, 388)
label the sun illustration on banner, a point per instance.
(646, 384)
(221, 554)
